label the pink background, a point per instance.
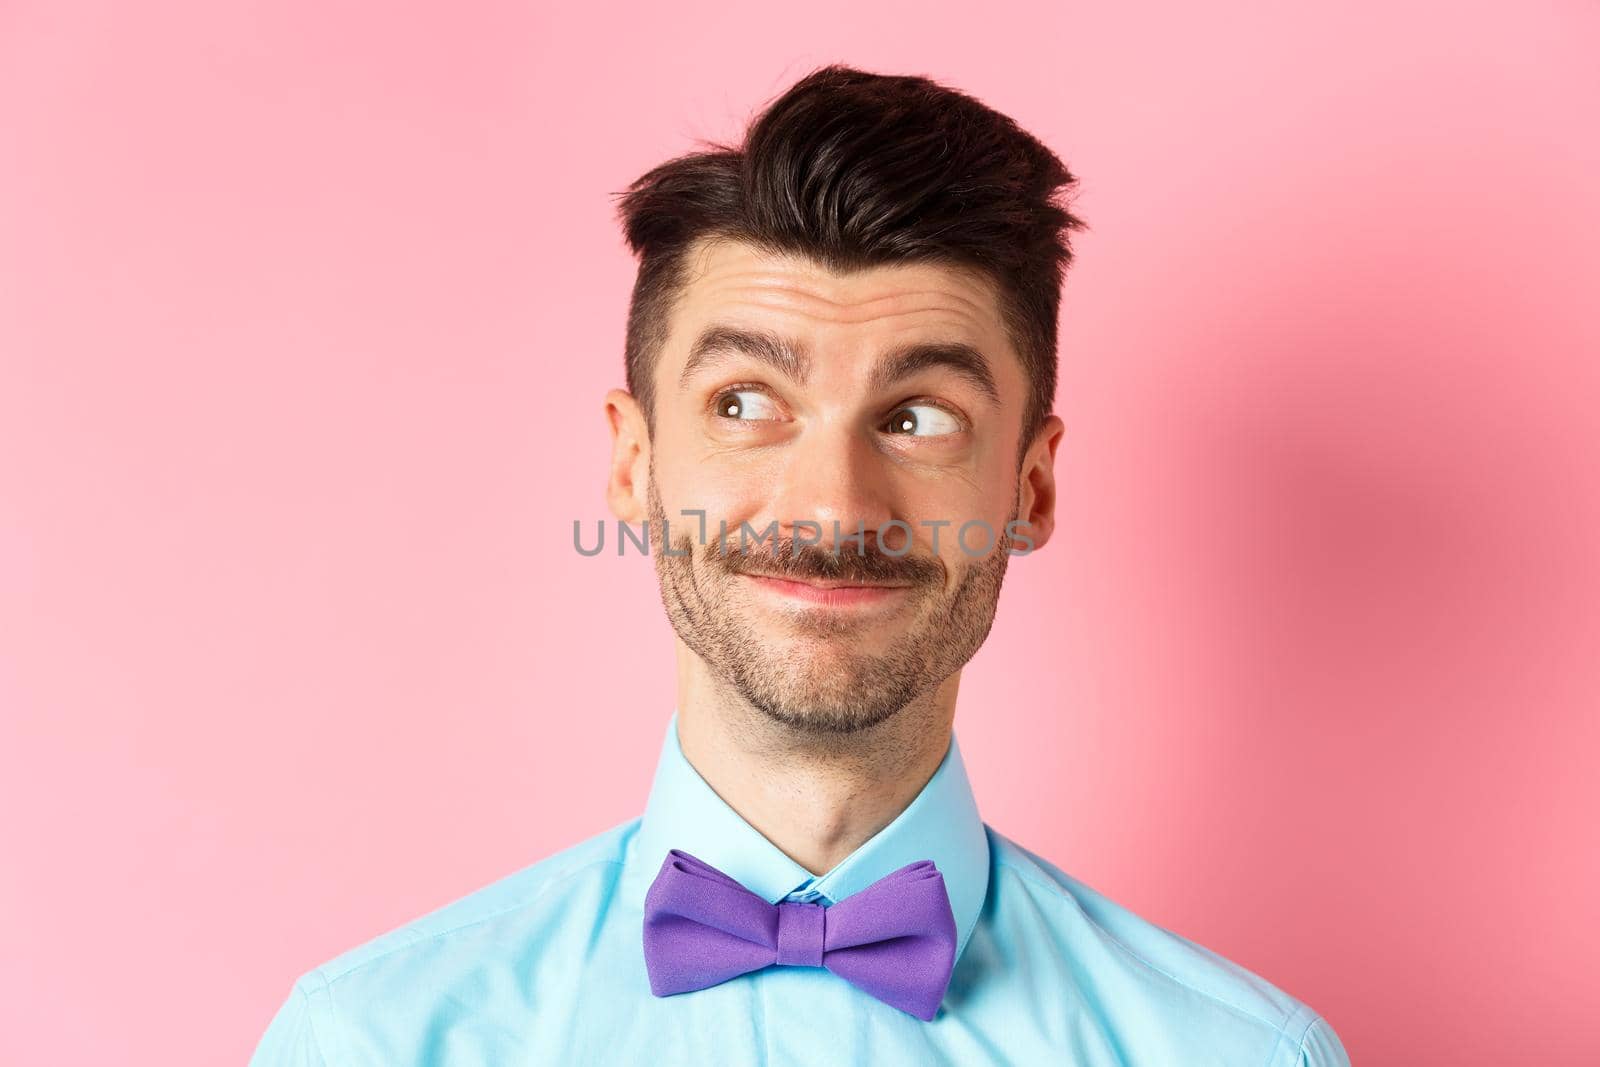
(306, 310)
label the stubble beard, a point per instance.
(813, 677)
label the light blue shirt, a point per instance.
(546, 965)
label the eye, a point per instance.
(922, 420)
(747, 405)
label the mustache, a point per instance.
(847, 563)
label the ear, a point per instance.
(1036, 504)
(630, 457)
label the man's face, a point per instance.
(830, 405)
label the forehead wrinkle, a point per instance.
(944, 299)
(720, 257)
(789, 295)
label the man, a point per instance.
(841, 361)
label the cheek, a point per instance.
(728, 492)
(982, 510)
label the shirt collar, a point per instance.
(941, 824)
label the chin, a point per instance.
(820, 691)
(824, 715)
(819, 637)
(833, 670)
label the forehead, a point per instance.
(729, 281)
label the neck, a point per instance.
(817, 797)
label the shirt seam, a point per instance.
(311, 1017)
(1305, 1035)
(419, 937)
(1028, 876)
(1305, 1038)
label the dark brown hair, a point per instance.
(854, 169)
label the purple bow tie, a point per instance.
(895, 939)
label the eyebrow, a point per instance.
(964, 359)
(718, 343)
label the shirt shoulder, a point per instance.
(1190, 971)
(388, 977)
(518, 891)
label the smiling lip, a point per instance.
(828, 593)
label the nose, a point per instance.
(832, 475)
